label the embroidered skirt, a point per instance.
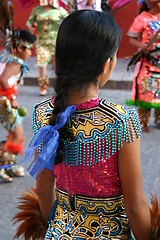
(81, 218)
(44, 51)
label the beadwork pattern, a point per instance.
(92, 134)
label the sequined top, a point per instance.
(90, 141)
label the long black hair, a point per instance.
(86, 39)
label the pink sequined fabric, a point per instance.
(89, 104)
(98, 180)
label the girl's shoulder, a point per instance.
(105, 108)
(108, 114)
(104, 113)
(122, 120)
(104, 119)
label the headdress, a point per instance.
(6, 24)
(9, 37)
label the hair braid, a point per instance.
(60, 101)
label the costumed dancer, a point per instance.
(17, 45)
(144, 34)
(91, 146)
(46, 18)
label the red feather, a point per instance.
(32, 225)
(155, 217)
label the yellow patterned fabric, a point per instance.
(83, 218)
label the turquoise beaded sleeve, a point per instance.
(128, 128)
(35, 126)
(88, 149)
(41, 115)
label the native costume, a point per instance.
(85, 140)
(47, 27)
(89, 196)
(10, 117)
(146, 83)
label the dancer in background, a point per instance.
(91, 146)
(46, 18)
(17, 47)
(146, 82)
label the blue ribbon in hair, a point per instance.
(48, 138)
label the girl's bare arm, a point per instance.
(46, 193)
(136, 205)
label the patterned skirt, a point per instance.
(81, 218)
(45, 49)
(9, 116)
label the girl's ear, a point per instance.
(105, 67)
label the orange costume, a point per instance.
(146, 82)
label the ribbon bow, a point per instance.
(48, 138)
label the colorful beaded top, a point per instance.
(89, 143)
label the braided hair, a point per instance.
(86, 39)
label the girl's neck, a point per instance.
(84, 94)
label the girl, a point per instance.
(90, 146)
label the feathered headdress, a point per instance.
(6, 24)
(9, 37)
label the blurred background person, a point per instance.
(144, 36)
(45, 19)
